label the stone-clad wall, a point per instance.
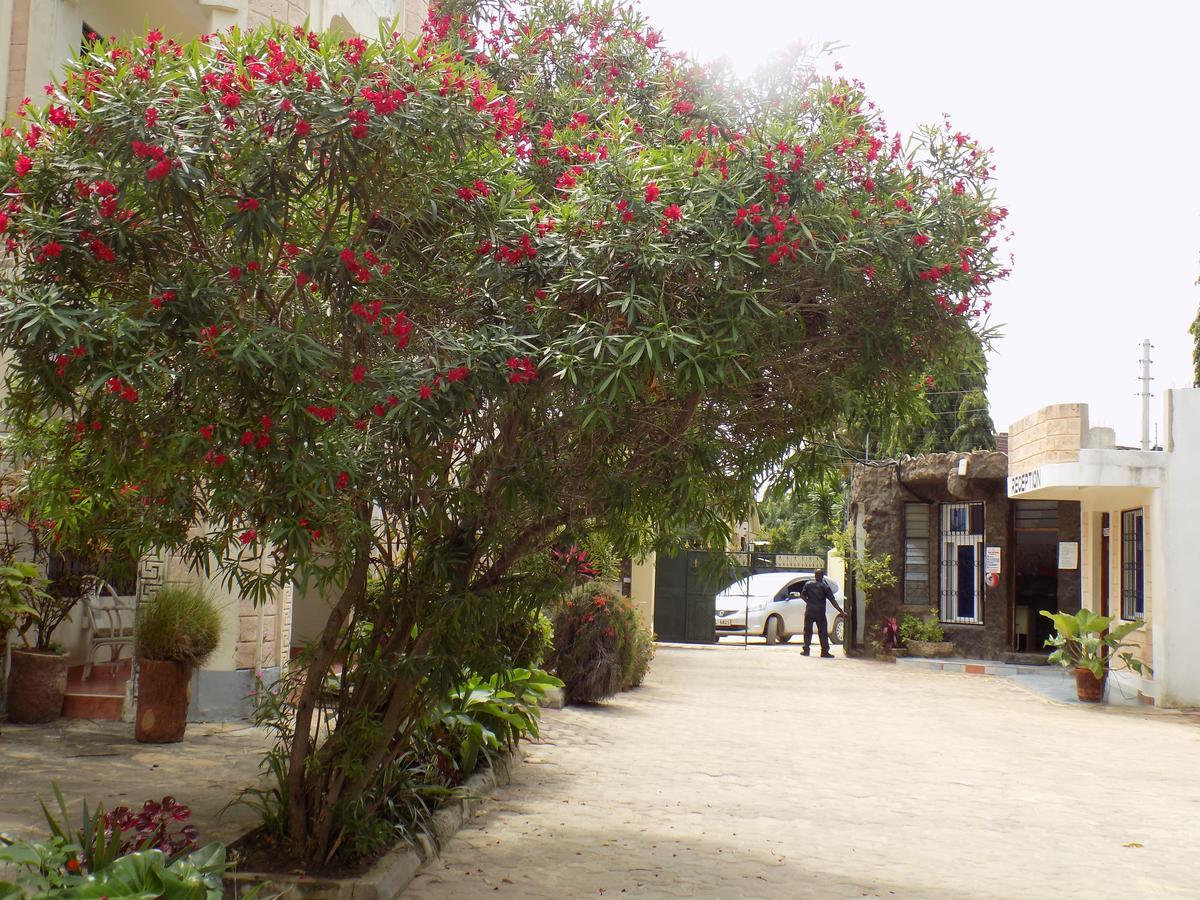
(880, 492)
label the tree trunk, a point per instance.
(300, 836)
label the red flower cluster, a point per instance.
(513, 255)
(478, 189)
(24, 165)
(160, 299)
(127, 392)
(50, 250)
(249, 204)
(325, 413)
(521, 369)
(143, 150)
(62, 360)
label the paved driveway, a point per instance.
(761, 773)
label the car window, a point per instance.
(789, 587)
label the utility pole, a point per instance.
(1145, 394)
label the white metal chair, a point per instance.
(108, 620)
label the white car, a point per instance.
(769, 604)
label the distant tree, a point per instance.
(1195, 330)
(975, 430)
(800, 520)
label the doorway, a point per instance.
(1035, 527)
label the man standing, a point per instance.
(815, 594)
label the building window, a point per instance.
(916, 553)
(962, 563)
(1133, 564)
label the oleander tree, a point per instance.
(425, 309)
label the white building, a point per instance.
(1138, 547)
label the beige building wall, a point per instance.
(38, 36)
(641, 588)
(1053, 434)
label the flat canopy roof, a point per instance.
(1102, 476)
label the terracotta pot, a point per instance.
(37, 683)
(1088, 687)
(164, 691)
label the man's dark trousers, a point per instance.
(816, 617)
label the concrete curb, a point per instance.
(393, 872)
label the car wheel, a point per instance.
(838, 632)
(773, 630)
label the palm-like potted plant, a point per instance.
(176, 632)
(37, 682)
(1091, 644)
(15, 608)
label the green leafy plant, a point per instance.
(871, 572)
(181, 624)
(921, 628)
(144, 854)
(1088, 640)
(487, 715)
(50, 870)
(20, 590)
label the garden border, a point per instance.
(394, 871)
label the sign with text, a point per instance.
(1024, 483)
(1068, 554)
(991, 561)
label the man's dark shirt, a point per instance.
(815, 593)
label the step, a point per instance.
(103, 707)
(101, 696)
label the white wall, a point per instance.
(1173, 555)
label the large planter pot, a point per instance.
(930, 648)
(1088, 687)
(37, 683)
(164, 691)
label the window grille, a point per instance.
(1133, 564)
(962, 563)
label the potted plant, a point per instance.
(925, 637)
(175, 632)
(1090, 644)
(37, 681)
(15, 608)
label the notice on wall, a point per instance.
(991, 561)
(1068, 554)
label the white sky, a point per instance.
(1092, 110)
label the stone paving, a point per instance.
(742, 773)
(102, 763)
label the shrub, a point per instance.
(914, 628)
(600, 646)
(182, 624)
(527, 640)
(640, 656)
